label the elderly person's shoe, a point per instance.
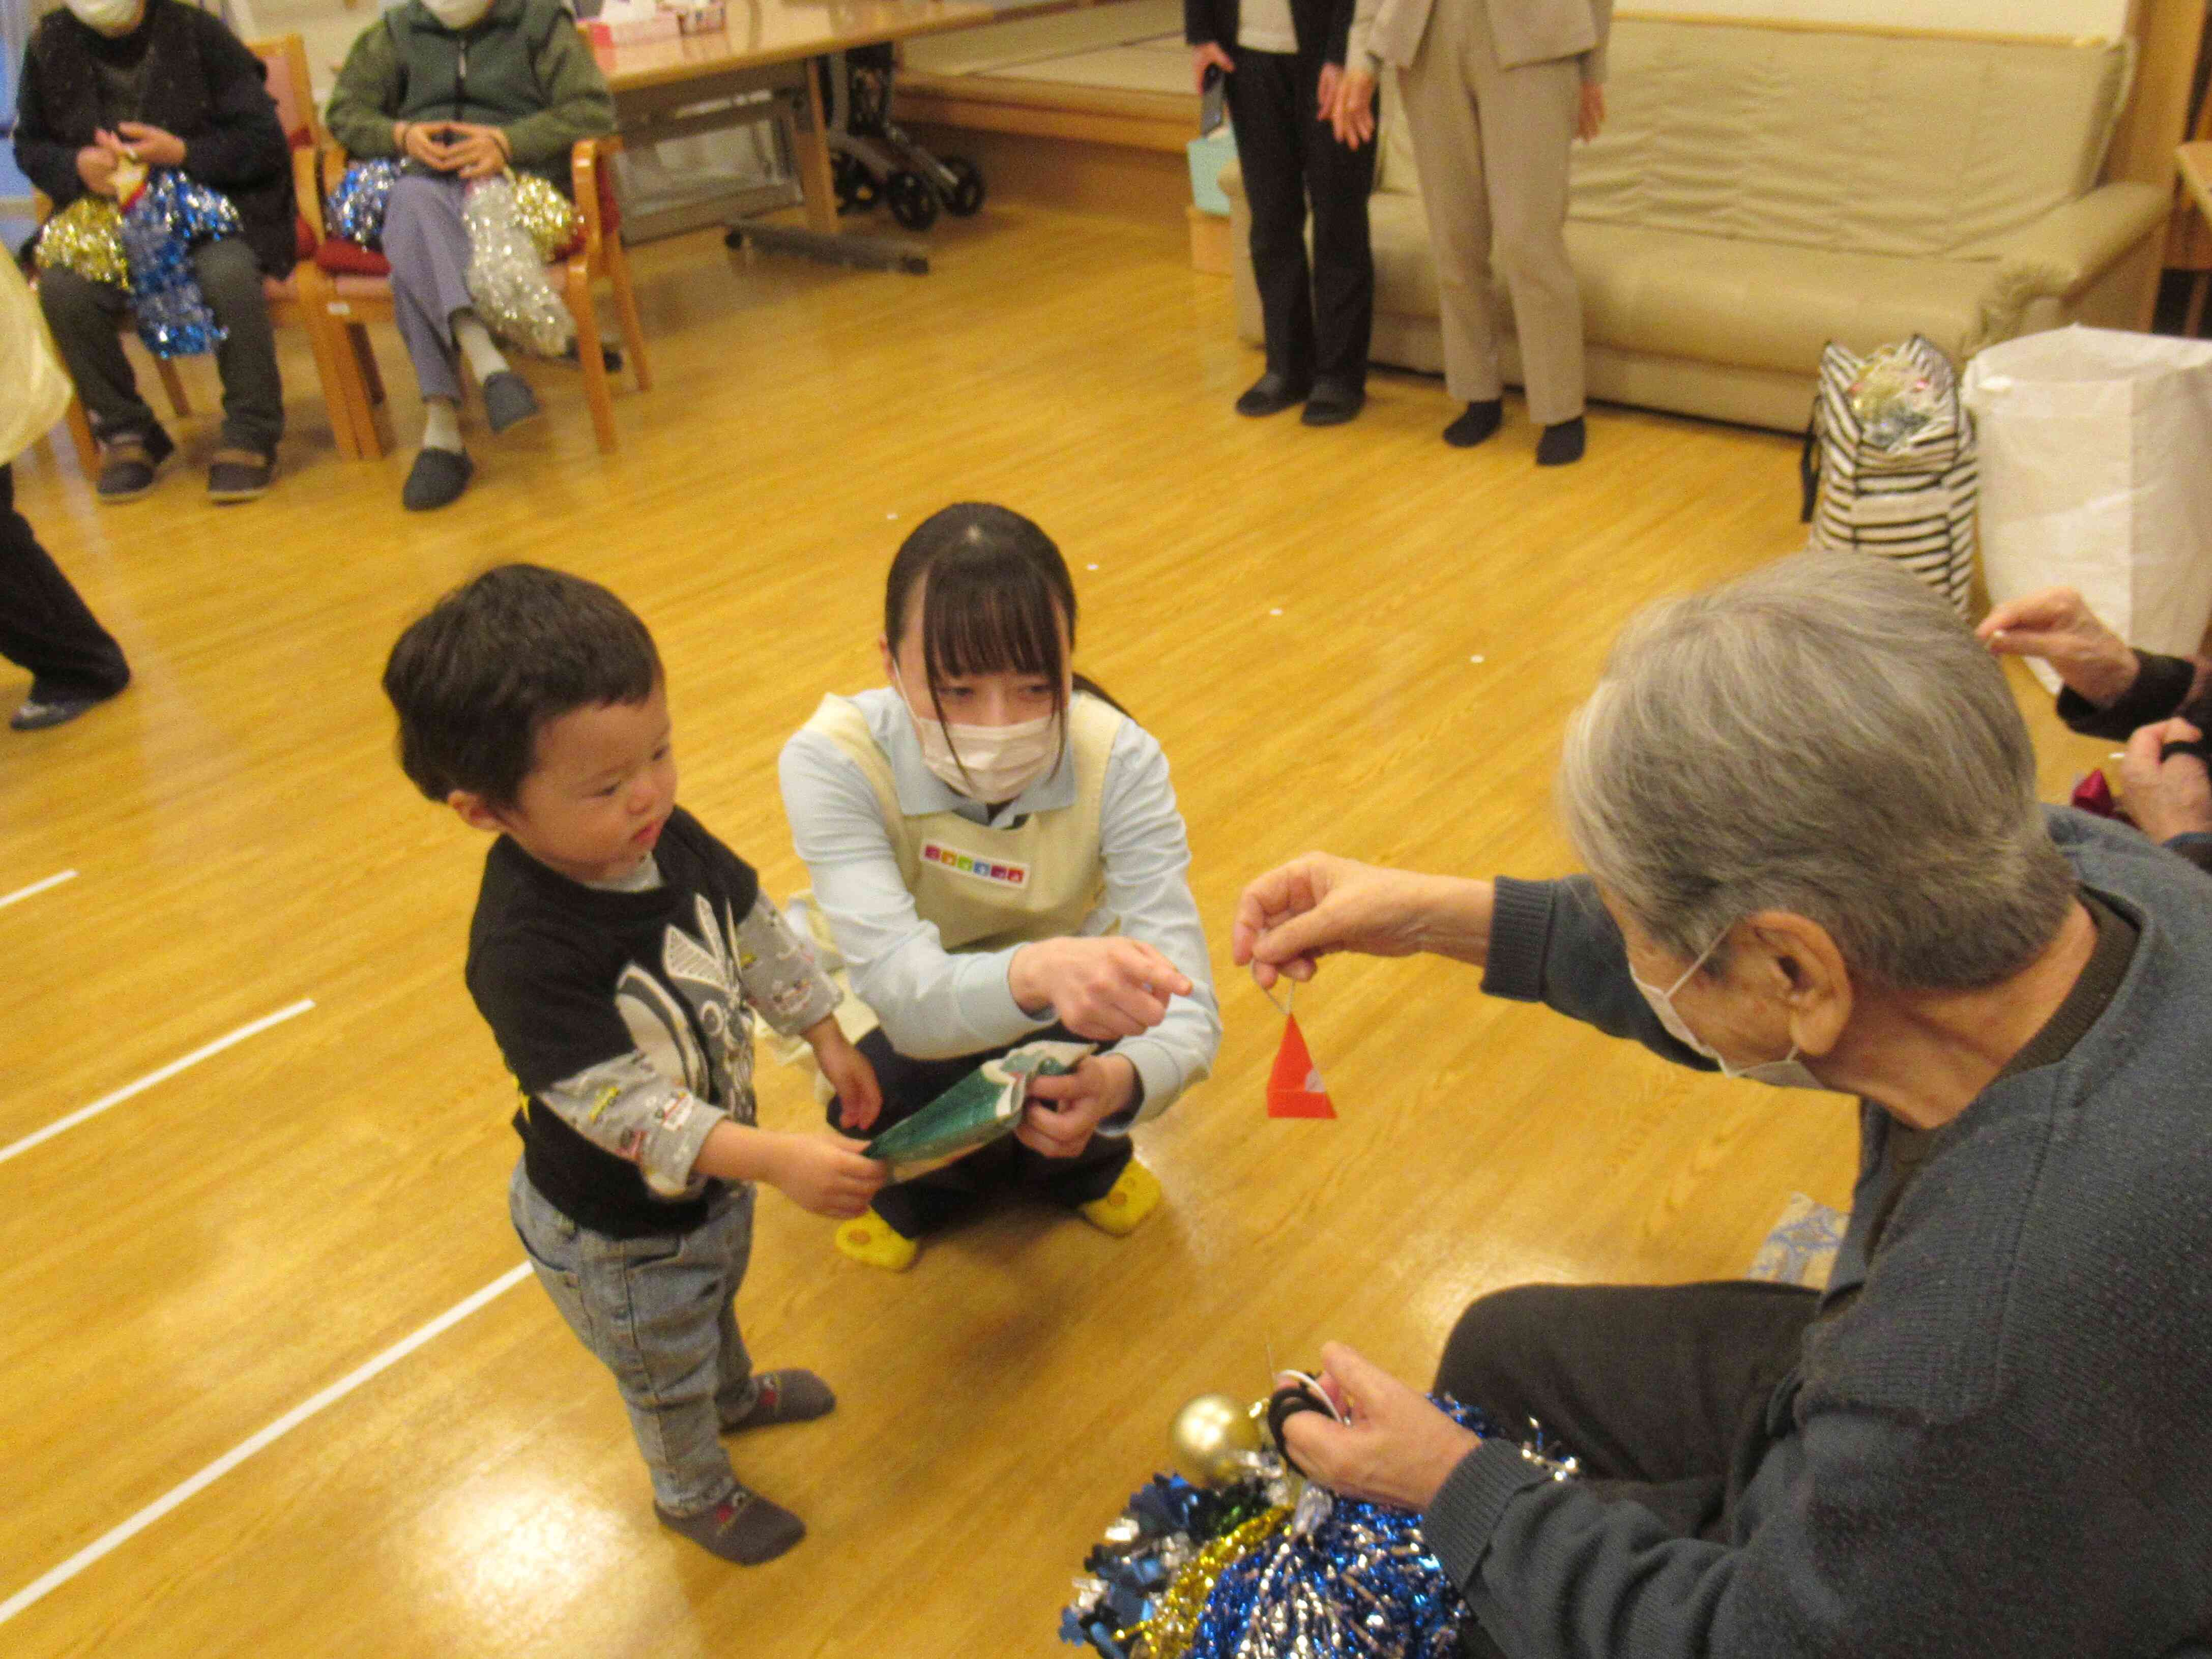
(128, 462)
(436, 480)
(1270, 394)
(1333, 402)
(1478, 425)
(239, 475)
(508, 401)
(1561, 444)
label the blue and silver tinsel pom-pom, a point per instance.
(356, 211)
(169, 218)
(1341, 1579)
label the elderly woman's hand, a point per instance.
(1293, 915)
(2166, 798)
(1350, 112)
(1396, 1449)
(2058, 626)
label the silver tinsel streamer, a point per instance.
(170, 217)
(506, 274)
(356, 213)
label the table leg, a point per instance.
(816, 181)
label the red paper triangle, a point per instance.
(1295, 1088)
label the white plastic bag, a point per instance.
(1889, 465)
(2097, 475)
(27, 361)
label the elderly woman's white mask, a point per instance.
(1787, 1072)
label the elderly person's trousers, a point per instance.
(1492, 147)
(86, 317)
(1318, 318)
(43, 626)
(1663, 1394)
(427, 241)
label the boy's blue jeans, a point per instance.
(657, 1313)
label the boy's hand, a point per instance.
(826, 1174)
(859, 1096)
(1063, 1110)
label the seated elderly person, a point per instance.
(462, 89)
(2160, 707)
(167, 85)
(1806, 803)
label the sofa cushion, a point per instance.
(1831, 139)
(1751, 304)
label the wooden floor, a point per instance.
(1355, 639)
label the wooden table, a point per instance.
(761, 67)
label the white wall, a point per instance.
(2062, 17)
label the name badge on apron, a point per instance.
(997, 871)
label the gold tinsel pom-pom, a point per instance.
(1167, 1634)
(550, 217)
(87, 237)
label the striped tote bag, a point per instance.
(1896, 477)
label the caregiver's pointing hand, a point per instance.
(1100, 988)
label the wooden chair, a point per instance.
(300, 299)
(360, 294)
(2195, 163)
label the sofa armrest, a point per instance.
(2071, 246)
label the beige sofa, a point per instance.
(1759, 191)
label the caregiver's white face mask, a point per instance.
(994, 763)
(1787, 1072)
(111, 17)
(459, 14)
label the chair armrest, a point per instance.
(2071, 246)
(305, 186)
(335, 162)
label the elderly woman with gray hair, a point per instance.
(1807, 802)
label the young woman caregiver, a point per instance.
(995, 848)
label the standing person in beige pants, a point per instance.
(1495, 92)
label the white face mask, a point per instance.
(108, 16)
(1787, 1072)
(459, 14)
(995, 762)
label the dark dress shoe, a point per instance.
(436, 480)
(1479, 423)
(1270, 394)
(1561, 444)
(1333, 402)
(239, 475)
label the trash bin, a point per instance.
(2096, 448)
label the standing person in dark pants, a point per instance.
(1284, 59)
(168, 84)
(43, 626)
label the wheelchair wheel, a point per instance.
(856, 190)
(967, 197)
(913, 203)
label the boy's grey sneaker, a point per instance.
(436, 480)
(743, 1528)
(787, 1396)
(508, 400)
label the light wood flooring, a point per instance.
(1354, 639)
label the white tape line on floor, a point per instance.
(163, 1075)
(40, 1588)
(35, 888)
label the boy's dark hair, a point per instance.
(496, 660)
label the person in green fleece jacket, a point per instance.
(462, 89)
(1807, 801)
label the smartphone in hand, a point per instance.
(1212, 101)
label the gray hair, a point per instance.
(1822, 737)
